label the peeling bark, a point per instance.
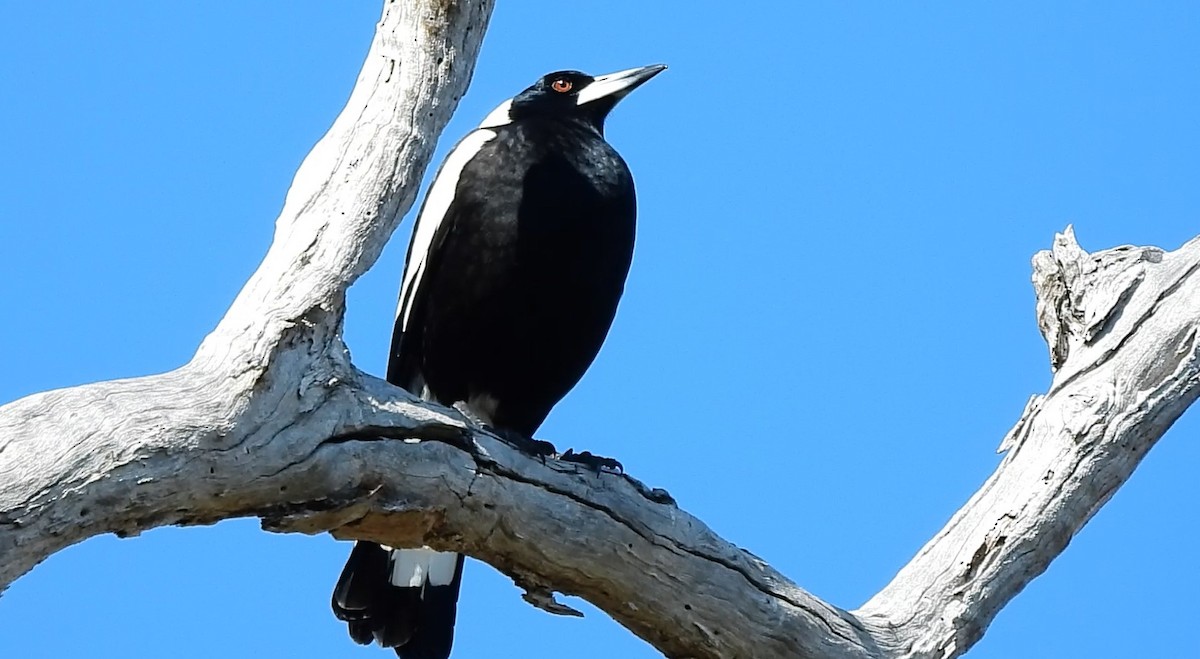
(271, 419)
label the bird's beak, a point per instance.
(615, 86)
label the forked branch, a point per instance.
(271, 419)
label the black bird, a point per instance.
(516, 265)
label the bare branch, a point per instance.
(1121, 325)
(277, 356)
(270, 419)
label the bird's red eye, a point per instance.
(562, 85)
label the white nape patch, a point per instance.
(501, 116)
(437, 202)
(607, 85)
(412, 568)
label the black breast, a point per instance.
(521, 289)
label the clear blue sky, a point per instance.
(828, 328)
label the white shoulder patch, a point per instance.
(437, 202)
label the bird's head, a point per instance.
(571, 95)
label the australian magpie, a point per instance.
(516, 264)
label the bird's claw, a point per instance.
(597, 463)
(542, 449)
(528, 445)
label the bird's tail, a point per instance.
(405, 599)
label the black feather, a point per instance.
(511, 283)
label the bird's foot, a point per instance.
(536, 447)
(588, 459)
(601, 464)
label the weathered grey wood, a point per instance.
(271, 419)
(71, 461)
(1121, 325)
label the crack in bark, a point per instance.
(433, 431)
(667, 543)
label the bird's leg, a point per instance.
(542, 449)
(536, 447)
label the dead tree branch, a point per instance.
(271, 419)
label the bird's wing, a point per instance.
(407, 598)
(428, 234)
